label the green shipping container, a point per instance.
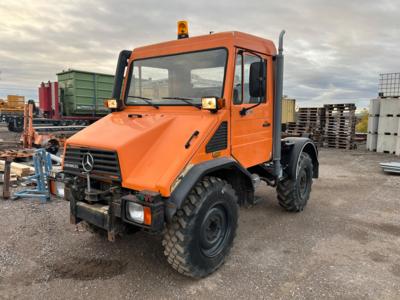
(83, 93)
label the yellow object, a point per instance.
(12, 104)
(288, 110)
(209, 103)
(110, 103)
(183, 29)
(15, 101)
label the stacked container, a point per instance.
(388, 125)
(398, 138)
(83, 93)
(373, 122)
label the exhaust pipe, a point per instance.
(124, 55)
(277, 137)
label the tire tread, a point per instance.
(177, 235)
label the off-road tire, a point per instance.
(293, 193)
(188, 236)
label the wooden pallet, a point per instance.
(20, 153)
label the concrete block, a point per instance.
(389, 107)
(388, 125)
(386, 143)
(372, 141)
(374, 107)
(373, 124)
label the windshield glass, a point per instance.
(181, 79)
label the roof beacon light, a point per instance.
(183, 30)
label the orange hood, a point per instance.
(151, 149)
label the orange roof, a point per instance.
(223, 39)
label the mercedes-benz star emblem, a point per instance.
(87, 162)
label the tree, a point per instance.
(362, 124)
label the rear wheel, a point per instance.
(201, 233)
(293, 193)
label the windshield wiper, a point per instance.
(147, 100)
(186, 100)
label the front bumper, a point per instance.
(113, 217)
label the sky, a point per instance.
(334, 50)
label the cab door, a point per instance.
(251, 133)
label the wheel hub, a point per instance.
(213, 231)
(303, 182)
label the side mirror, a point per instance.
(257, 79)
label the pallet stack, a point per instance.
(340, 125)
(310, 120)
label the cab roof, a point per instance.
(215, 40)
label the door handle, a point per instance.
(194, 134)
(266, 124)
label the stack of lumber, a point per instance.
(13, 178)
(340, 125)
(310, 120)
(18, 169)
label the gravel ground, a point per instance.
(346, 245)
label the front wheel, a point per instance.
(293, 193)
(201, 233)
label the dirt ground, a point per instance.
(346, 245)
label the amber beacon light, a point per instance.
(183, 30)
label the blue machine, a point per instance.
(43, 166)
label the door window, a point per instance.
(241, 89)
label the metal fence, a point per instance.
(389, 85)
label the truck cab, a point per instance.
(194, 128)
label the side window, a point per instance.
(241, 91)
(237, 83)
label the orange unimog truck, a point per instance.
(195, 126)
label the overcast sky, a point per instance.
(334, 50)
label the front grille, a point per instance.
(105, 165)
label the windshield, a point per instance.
(181, 79)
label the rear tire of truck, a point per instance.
(293, 193)
(201, 233)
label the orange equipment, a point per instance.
(195, 127)
(48, 137)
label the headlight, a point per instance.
(138, 213)
(135, 212)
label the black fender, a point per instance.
(292, 147)
(197, 172)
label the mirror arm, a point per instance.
(244, 110)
